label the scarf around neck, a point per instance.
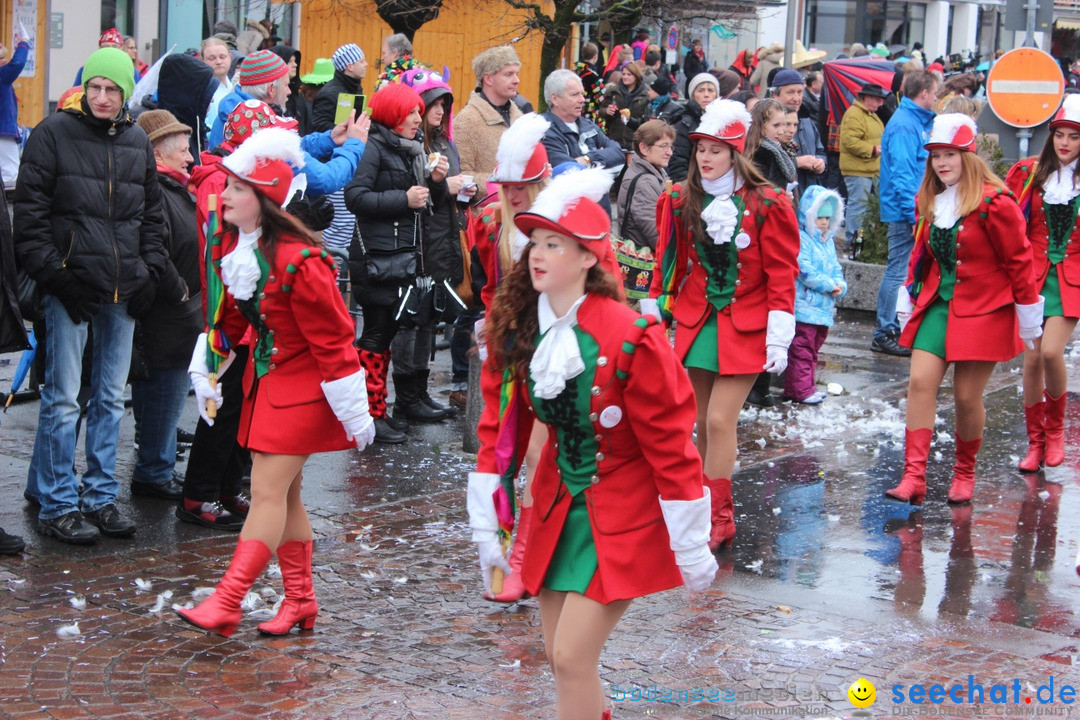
(783, 158)
(945, 208)
(721, 216)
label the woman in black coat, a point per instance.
(703, 89)
(394, 189)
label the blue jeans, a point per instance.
(158, 402)
(901, 240)
(52, 473)
(858, 192)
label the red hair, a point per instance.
(393, 103)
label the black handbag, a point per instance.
(395, 267)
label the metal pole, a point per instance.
(1023, 135)
(789, 38)
(1029, 39)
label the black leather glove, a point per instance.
(315, 213)
(79, 299)
(140, 302)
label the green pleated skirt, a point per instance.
(1051, 290)
(574, 562)
(702, 354)
(931, 335)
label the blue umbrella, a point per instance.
(25, 363)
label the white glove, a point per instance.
(904, 307)
(347, 397)
(778, 336)
(1030, 318)
(650, 306)
(485, 523)
(688, 524)
(481, 342)
(199, 373)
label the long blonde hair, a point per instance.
(506, 225)
(974, 177)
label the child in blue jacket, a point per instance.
(819, 285)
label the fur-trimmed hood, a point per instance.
(812, 200)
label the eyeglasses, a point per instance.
(94, 89)
(664, 146)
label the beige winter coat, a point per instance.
(477, 129)
(769, 58)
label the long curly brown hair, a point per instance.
(277, 226)
(513, 322)
(692, 205)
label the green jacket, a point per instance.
(860, 131)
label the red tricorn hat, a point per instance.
(953, 130)
(725, 121)
(521, 157)
(266, 162)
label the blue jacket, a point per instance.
(808, 138)
(565, 145)
(819, 268)
(328, 167)
(9, 106)
(903, 160)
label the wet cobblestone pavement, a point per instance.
(827, 582)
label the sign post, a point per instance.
(1024, 89)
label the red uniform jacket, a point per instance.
(644, 455)
(483, 234)
(304, 337)
(768, 267)
(993, 271)
(1031, 201)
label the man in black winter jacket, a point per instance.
(350, 67)
(88, 222)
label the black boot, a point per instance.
(384, 433)
(759, 394)
(425, 396)
(407, 404)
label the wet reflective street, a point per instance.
(827, 582)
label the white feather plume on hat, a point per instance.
(567, 189)
(721, 113)
(946, 126)
(1070, 109)
(267, 144)
(516, 146)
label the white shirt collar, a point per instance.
(1058, 188)
(240, 269)
(557, 357)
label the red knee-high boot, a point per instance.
(723, 512)
(963, 482)
(220, 613)
(299, 606)
(912, 487)
(1054, 424)
(1036, 431)
(513, 586)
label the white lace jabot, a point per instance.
(558, 357)
(945, 208)
(722, 216)
(240, 269)
(1058, 188)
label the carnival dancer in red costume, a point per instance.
(521, 172)
(1047, 191)
(618, 482)
(970, 300)
(304, 390)
(728, 257)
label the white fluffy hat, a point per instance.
(1068, 113)
(266, 161)
(725, 121)
(953, 130)
(521, 157)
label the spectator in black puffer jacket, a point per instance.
(350, 66)
(394, 189)
(88, 222)
(441, 267)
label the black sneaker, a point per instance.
(71, 528)
(184, 438)
(170, 490)
(110, 521)
(889, 346)
(10, 544)
(211, 515)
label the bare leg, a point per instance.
(970, 379)
(272, 477)
(1051, 346)
(702, 382)
(297, 525)
(575, 630)
(1033, 374)
(725, 401)
(927, 372)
